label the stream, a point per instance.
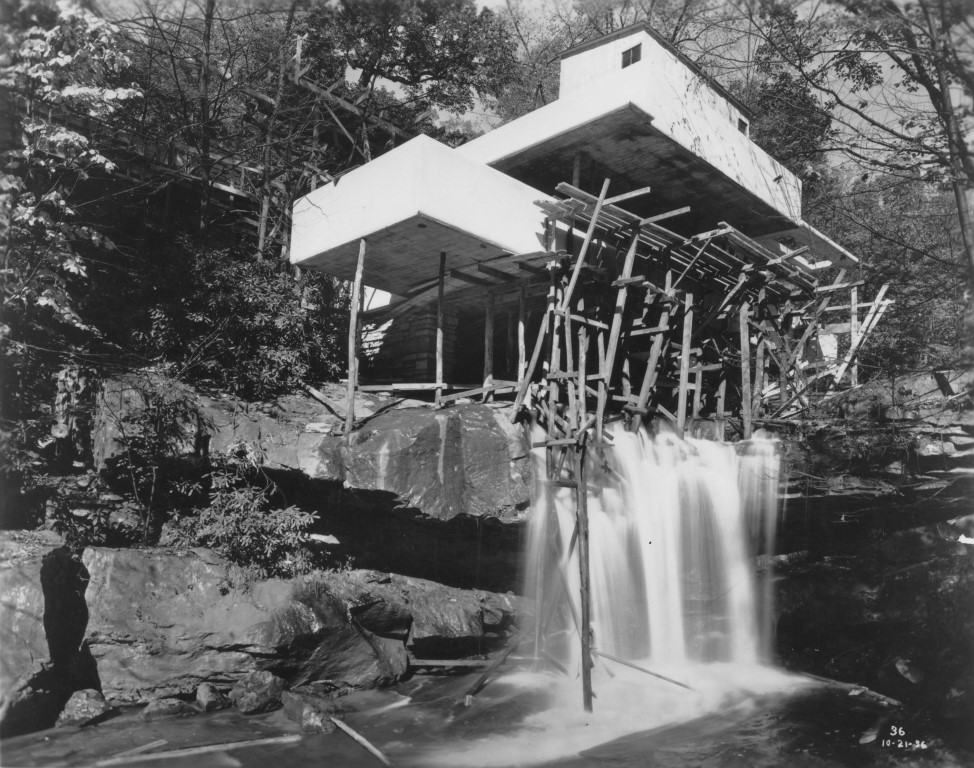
(531, 719)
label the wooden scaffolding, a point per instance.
(642, 323)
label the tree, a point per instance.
(64, 71)
(906, 233)
(899, 78)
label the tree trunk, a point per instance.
(209, 12)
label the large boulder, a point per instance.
(464, 460)
(43, 616)
(163, 622)
(445, 463)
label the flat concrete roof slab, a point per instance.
(411, 204)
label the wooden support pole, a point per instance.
(649, 378)
(681, 410)
(757, 396)
(353, 339)
(721, 398)
(697, 390)
(566, 299)
(854, 331)
(439, 327)
(613, 343)
(361, 740)
(554, 360)
(583, 566)
(745, 372)
(521, 323)
(582, 364)
(872, 317)
(489, 345)
(539, 342)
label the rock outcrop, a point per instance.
(162, 623)
(42, 622)
(149, 625)
(463, 460)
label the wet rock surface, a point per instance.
(311, 711)
(162, 623)
(463, 460)
(257, 692)
(85, 706)
(895, 614)
(210, 699)
(162, 709)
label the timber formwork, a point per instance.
(643, 323)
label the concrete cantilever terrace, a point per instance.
(657, 122)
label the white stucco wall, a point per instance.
(682, 106)
(658, 65)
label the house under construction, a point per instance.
(624, 252)
(627, 249)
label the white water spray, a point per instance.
(674, 525)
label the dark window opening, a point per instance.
(632, 55)
(743, 127)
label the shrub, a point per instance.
(244, 524)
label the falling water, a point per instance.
(674, 525)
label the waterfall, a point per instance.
(673, 527)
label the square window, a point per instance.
(632, 55)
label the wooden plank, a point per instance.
(356, 302)
(472, 279)
(645, 331)
(498, 273)
(209, 749)
(745, 336)
(627, 195)
(532, 268)
(439, 324)
(662, 216)
(839, 287)
(497, 388)
(582, 319)
(681, 412)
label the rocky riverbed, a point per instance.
(422, 512)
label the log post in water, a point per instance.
(583, 566)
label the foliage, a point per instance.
(442, 52)
(64, 67)
(905, 233)
(899, 80)
(700, 29)
(152, 435)
(243, 523)
(245, 324)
